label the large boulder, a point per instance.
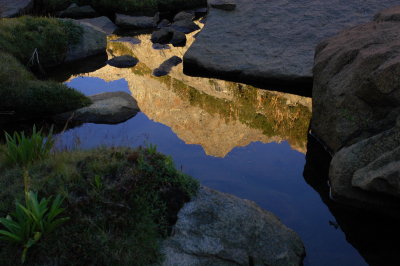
(356, 91)
(107, 108)
(264, 42)
(103, 24)
(93, 41)
(13, 8)
(221, 229)
(356, 111)
(136, 22)
(185, 25)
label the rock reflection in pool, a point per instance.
(248, 142)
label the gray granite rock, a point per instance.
(13, 8)
(221, 229)
(135, 22)
(107, 108)
(166, 66)
(103, 24)
(93, 41)
(272, 41)
(186, 26)
(227, 5)
(78, 12)
(123, 61)
(178, 39)
(183, 15)
(162, 36)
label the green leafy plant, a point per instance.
(30, 223)
(22, 150)
(151, 148)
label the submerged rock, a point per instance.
(107, 108)
(123, 61)
(103, 24)
(166, 66)
(264, 42)
(93, 41)
(13, 8)
(135, 22)
(221, 229)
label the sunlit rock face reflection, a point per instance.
(216, 114)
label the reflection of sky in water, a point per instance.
(269, 174)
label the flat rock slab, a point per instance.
(221, 229)
(107, 108)
(131, 40)
(103, 24)
(124, 61)
(272, 41)
(166, 66)
(13, 8)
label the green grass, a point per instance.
(121, 202)
(22, 93)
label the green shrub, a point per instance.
(30, 223)
(22, 150)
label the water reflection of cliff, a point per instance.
(215, 114)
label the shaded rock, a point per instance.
(135, 22)
(356, 91)
(130, 40)
(221, 229)
(14, 8)
(186, 26)
(78, 12)
(365, 172)
(166, 66)
(227, 5)
(92, 42)
(273, 40)
(178, 39)
(123, 61)
(184, 15)
(164, 23)
(158, 46)
(201, 11)
(389, 14)
(162, 36)
(103, 24)
(107, 108)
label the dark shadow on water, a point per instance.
(375, 236)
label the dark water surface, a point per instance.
(237, 139)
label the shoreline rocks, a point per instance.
(107, 108)
(271, 42)
(356, 111)
(220, 229)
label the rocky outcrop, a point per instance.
(356, 101)
(107, 108)
(272, 41)
(13, 8)
(93, 41)
(103, 24)
(136, 22)
(221, 229)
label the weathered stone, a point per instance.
(186, 26)
(103, 24)
(178, 39)
(272, 41)
(78, 12)
(221, 229)
(184, 15)
(166, 66)
(123, 61)
(13, 8)
(92, 42)
(135, 22)
(356, 91)
(227, 5)
(107, 108)
(361, 170)
(164, 23)
(389, 14)
(162, 36)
